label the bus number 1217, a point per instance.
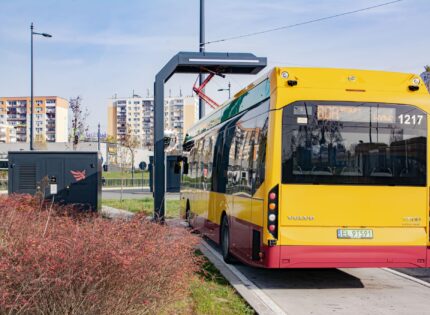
(406, 119)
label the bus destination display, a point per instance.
(361, 114)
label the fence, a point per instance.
(110, 182)
(126, 182)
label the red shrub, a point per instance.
(53, 263)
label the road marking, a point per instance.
(265, 299)
(403, 275)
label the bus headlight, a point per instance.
(272, 217)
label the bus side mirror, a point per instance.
(177, 168)
(185, 167)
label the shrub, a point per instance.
(55, 261)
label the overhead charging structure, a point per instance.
(214, 63)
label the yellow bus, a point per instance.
(314, 168)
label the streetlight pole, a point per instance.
(98, 137)
(31, 96)
(31, 83)
(202, 49)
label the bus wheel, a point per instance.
(225, 241)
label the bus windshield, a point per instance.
(354, 143)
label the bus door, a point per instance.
(240, 186)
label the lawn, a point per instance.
(145, 205)
(212, 294)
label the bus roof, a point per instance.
(321, 78)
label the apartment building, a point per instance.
(135, 115)
(50, 116)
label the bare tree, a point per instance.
(426, 76)
(79, 117)
(126, 154)
(40, 141)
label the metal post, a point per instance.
(98, 137)
(229, 90)
(202, 49)
(159, 167)
(31, 93)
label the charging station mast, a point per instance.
(198, 63)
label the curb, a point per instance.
(408, 277)
(255, 297)
(114, 213)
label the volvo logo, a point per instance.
(301, 217)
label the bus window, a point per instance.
(199, 162)
(233, 161)
(354, 143)
(245, 156)
(259, 169)
(218, 176)
(207, 163)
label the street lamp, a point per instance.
(31, 74)
(227, 89)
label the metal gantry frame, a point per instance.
(190, 62)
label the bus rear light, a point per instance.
(272, 215)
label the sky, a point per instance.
(102, 48)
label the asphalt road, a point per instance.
(133, 194)
(341, 291)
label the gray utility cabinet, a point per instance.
(173, 183)
(70, 177)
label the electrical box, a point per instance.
(69, 177)
(173, 180)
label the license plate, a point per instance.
(355, 233)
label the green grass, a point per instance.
(145, 205)
(115, 175)
(212, 294)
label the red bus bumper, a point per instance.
(346, 256)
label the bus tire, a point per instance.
(225, 241)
